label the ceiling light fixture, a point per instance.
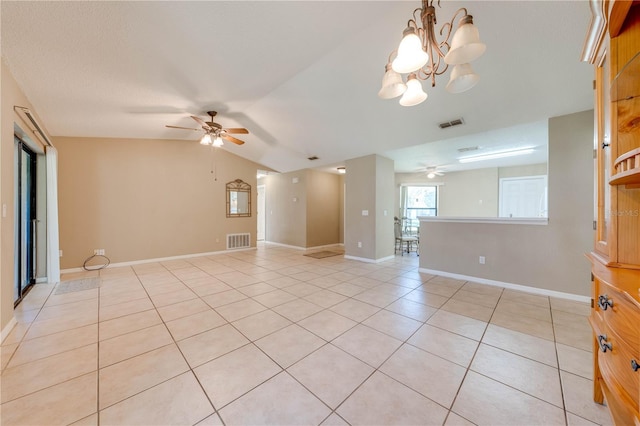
(421, 56)
(212, 138)
(342, 170)
(494, 155)
(206, 139)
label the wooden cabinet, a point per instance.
(613, 46)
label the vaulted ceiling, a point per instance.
(302, 76)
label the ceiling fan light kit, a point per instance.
(214, 133)
(423, 57)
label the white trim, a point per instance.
(7, 329)
(284, 245)
(367, 260)
(43, 280)
(424, 183)
(163, 259)
(519, 287)
(488, 220)
(326, 246)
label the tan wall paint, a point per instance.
(11, 95)
(143, 199)
(472, 193)
(369, 186)
(548, 257)
(286, 221)
(314, 219)
(360, 194)
(460, 193)
(384, 207)
(323, 208)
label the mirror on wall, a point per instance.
(238, 199)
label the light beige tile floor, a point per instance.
(269, 336)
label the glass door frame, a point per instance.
(26, 199)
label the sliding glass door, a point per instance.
(26, 220)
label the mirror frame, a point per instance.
(238, 186)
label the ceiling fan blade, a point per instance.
(231, 139)
(183, 128)
(201, 122)
(237, 130)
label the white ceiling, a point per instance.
(302, 76)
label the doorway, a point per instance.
(26, 220)
(260, 214)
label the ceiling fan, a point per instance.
(433, 172)
(214, 132)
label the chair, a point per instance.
(401, 239)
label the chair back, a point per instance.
(397, 230)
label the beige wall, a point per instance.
(143, 199)
(547, 257)
(369, 186)
(384, 207)
(11, 95)
(314, 218)
(470, 193)
(286, 219)
(323, 208)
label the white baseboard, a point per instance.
(327, 246)
(7, 329)
(162, 259)
(367, 260)
(519, 287)
(272, 243)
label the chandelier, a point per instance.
(423, 57)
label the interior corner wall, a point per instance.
(369, 191)
(385, 197)
(144, 199)
(548, 257)
(323, 208)
(286, 208)
(10, 96)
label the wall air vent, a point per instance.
(237, 241)
(456, 122)
(313, 157)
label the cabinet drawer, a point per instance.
(616, 366)
(619, 312)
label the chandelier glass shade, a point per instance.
(423, 57)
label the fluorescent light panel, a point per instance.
(492, 156)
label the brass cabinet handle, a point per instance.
(602, 342)
(604, 302)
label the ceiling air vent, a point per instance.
(456, 122)
(314, 157)
(467, 149)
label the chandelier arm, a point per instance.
(449, 25)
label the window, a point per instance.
(419, 201)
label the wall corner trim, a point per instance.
(367, 260)
(519, 287)
(7, 329)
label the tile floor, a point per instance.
(270, 336)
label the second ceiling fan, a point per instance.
(214, 132)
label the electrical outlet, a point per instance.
(359, 244)
(101, 252)
(95, 252)
(481, 260)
